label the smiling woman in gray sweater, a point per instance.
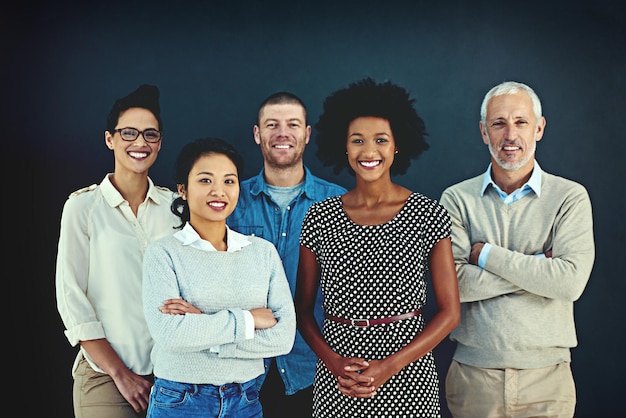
(216, 302)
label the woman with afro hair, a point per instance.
(370, 250)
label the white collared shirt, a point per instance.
(99, 268)
(188, 236)
(533, 184)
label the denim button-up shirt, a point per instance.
(257, 214)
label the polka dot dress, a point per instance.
(372, 272)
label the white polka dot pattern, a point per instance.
(376, 272)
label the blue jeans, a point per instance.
(170, 399)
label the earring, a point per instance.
(395, 152)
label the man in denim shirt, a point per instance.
(272, 205)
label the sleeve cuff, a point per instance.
(484, 253)
(249, 325)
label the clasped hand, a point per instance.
(357, 377)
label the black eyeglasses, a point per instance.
(130, 134)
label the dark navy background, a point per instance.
(64, 65)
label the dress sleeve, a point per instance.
(309, 233)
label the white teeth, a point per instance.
(510, 148)
(217, 204)
(138, 154)
(369, 163)
(282, 146)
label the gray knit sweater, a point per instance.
(517, 312)
(221, 284)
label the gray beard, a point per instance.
(508, 166)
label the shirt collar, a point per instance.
(534, 182)
(188, 236)
(114, 198)
(259, 184)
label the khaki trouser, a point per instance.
(474, 392)
(96, 396)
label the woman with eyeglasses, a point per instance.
(105, 229)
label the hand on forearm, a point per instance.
(475, 252)
(263, 318)
(178, 306)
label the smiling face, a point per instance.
(134, 156)
(282, 133)
(511, 131)
(371, 147)
(212, 189)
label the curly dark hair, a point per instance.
(187, 157)
(368, 98)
